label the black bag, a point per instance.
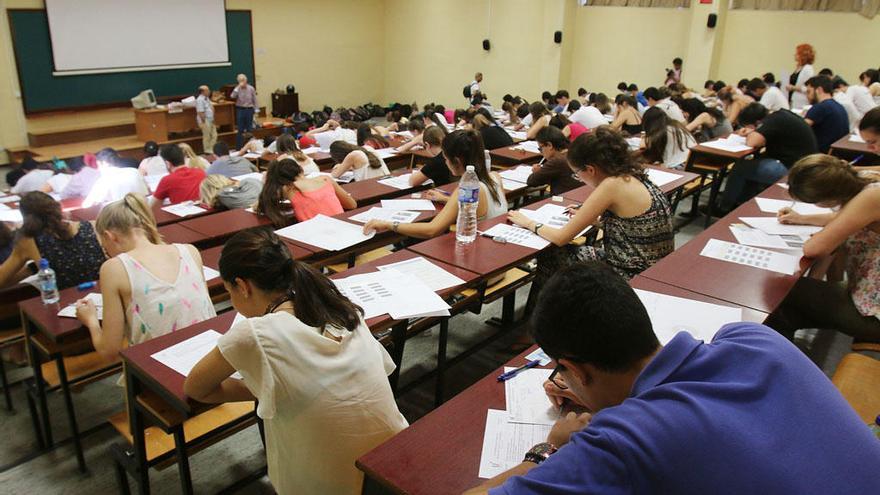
(466, 92)
(360, 114)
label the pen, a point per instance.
(445, 193)
(857, 160)
(498, 239)
(507, 375)
(86, 286)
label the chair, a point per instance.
(858, 379)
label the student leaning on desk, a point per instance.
(746, 413)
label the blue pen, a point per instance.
(507, 375)
(86, 286)
(857, 160)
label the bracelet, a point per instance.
(394, 226)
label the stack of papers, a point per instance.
(754, 237)
(390, 291)
(751, 256)
(733, 144)
(511, 234)
(518, 174)
(774, 205)
(184, 209)
(400, 181)
(770, 225)
(530, 146)
(69, 311)
(408, 204)
(377, 213)
(430, 274)
(671, 315)
(661, 178)
(183, 356)
(326, 233)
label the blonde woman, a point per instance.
(192, 159)
(219, 191)
(149, 288)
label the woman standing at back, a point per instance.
(804, 56)
(149, 288)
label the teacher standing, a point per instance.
(245, 103)
(804, 55)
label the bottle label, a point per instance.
(48, 286)
(468, 195)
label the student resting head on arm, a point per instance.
(663, 418)
(853, 307)
(149, 288)
(460, 148)
(307, 356)
(309, 197)
(361, 160)
(435, 169)
(219, 191)
(287, 148)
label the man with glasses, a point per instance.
(746, 413)
(553, 169)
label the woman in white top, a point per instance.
(307, 356)
(804, 55)
(461, 148)
(287, 148)
(666, 141)
(152, 164)
(540, 118)
(149, 288)
(361, 160)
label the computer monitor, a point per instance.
(146, 99)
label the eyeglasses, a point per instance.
(553, 379)
(576, 177)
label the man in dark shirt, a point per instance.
(786, 139)
(827, 117)
(554, 171)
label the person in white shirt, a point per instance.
(475, 85)
(770, 96)
(657, 99)
(852, 113)
(588, 116)
(860, 95)
(306, 355)
(666, 141)
(34, 178)
(205, 118)
(152, 164)
(115, 182)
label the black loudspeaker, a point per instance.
(713, 19)
(486, 45)
(557, 37)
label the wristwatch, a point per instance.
(537, 226)
(394, 226)
(540, 453)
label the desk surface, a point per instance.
(175, 233)
(845, 145)
(708, 150)
(580, 194)
(45, 317)
(162, 217)
(440, 453)
(224, 224)
(370, 191)
(509, 155)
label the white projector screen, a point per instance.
(98, 36)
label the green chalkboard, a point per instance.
(41, 91)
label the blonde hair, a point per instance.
(194, 160)
(211, 187)
(127, 214)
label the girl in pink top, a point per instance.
(570, 129)
(309, 197)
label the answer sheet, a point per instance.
(511, 185)
(183, 356)
(400, 181)
(516, 235)
(518, 174)
(526, 400)
(184, 209)
(530, 146)
(378, 213)
(326, 233)
(69, 311)
(430, 274)
(671, 315)
(771, 225)
(540, 355)
(733, 144)
(390, 291)
(661, 178)
(754, 237)
(505, 443)
(751, 256)
(768, 205)
(408, 204)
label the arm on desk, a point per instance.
(857, 214)
(345, 199)
(417, 178)
(599, 201)
(108, 336)
(790, 217)
(536, 126)
(209, 381)
(427, 230)
(518, 470)
(13, 269)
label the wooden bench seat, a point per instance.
(858, 379)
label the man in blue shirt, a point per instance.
(827, 117)
(746, 413)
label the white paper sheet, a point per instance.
(11, 216)
(768, 205)
(520, 135)
(345, 178)
(326, 233)
(4, 207)
(400, 182)
(540, 355)
(405, 134)
(634, 142)
(504, 443)
(733, 143)
(660, 178)
(384, 153)
(517, 235)
(69, 311)
(184, 209)
(430, 274)
(377, 213)
(771, 225)
(253, 175)
(210, 273)
(511, 185)
(183, 356)
(518, 174)
(390, 291)
(153, 180)
(530, 146)
(755, 237)
(312, 150)
(856, 138)
(671, 315)
(252, 156)
(408, 204)
(751, 256)
(10, 199)
(526, 400)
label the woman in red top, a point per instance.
(285, 180)
(570, 129)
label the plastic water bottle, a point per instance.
(468, 200)
(47, 284)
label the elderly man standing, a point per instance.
(245, 103)
(205, 118)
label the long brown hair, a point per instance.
(465, 147)
(341, 149)
(281, 173)
(606, 149)
(42, 215)
(287, 144)
(821, 178)
(260, 257)
(657, 125)
(130, 212)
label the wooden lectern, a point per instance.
(155, 124)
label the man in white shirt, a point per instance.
(860, 95)
(770, 96)
(663, 102)
(33, 180)
(205, 118)
(588, 116)
(475, 85)
(852, 113)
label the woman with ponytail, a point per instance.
(287, 148)
(285, 180)
(71, 248)
(149, 288)
(306, 355)
(853, 230)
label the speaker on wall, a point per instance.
(713, 19)
(557, 37)
(486, 45)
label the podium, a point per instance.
(156, 124)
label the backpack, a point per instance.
(360, 114)
(466, 92)
(300, 118)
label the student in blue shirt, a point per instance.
(746, 413)
(827, 117)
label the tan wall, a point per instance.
(12, 126)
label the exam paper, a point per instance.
(504, 443)
(856, 138)
(345, 178)
(661, 178)
(530, 146)
(521, 135)
(210, 273)
(184, 209)
(69, 311)
(384, 153)
(408, 204)
(733, 143)
(751, 256)
(401, 181)
(430, 274)
(555, 216)
(526, 400)
(326, 233)
(398, 294)
(755, 237)
(377, 213)
(312, 150)
(253, 175)
(11, 216)
(183, 356)
(540, 355)
(518, 174)
(517, 235)
(252, 156)
(671, 315)
(771, 225)
(768, 205)
(511, 185)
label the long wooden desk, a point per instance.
(712, 163)
(155, 124)
(370, 191)
(847, 149)
(215, 229)
(510, 155)
(440, 453)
